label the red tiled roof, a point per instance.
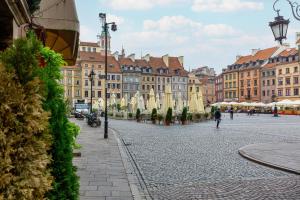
(270, 65)
(260, 55)
(113, 64)
(91, 44)
(289, 52)
(141, 62)
(126, 61)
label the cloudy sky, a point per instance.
(205, 32)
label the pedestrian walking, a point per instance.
(231, 113)
(218, 117)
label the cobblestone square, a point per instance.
(199, 161)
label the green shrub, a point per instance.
(24, 140)
(190, 117)
(154, 115)
(198, 116)
(66, 184)
(118, 107)
(184, 115)
(130, 115)
(138, 115)
(160, 118)
(168, 118)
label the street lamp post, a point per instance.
(105, 27)
(280, 25)
(92, 76)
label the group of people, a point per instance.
(218, 115)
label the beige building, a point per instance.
(72, 83)
(230, 87)
(193, 80)
(287, 71)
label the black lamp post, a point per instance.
(92, 76)
(280, 25)
(105, 27)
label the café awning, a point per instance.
(60, 22)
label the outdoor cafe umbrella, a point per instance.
(122, 103)
(200, 108)
(193, 101)
(151, 101)
(157, 101)
(168, 100)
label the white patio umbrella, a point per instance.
(122, 103)
(133, 104)
(151, 102)
(157, 101)
(193, 104)
(113, 99)
(179, 102)
(200, 106)
(168, 100)
(141, 104)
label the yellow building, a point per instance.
(230, 79)
(72, 83)
(287, 71)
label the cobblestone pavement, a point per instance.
(100, 167)
(200, 162)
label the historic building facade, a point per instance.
(219, 88)
(287, 71)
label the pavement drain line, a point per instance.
(136, 180)
(265, 163)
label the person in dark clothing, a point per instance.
(231, 112)
(218, 117)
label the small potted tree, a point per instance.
(160, 118)
(154, 115)
(184, 116)
(168, 118)
(138, 115)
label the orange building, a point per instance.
(250, 73)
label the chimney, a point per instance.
(146, 57)
(116, 55)
(254, 51)
(180, 59)
(132, 57)
(166, 59)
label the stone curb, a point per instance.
(244, 154)
(132, 177)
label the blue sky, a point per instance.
(205, 32)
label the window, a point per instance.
(255, 82)
(268, 82)
(86, 93)
(288, 92)
(158, 87)
(148, 87)
(279, 93)
(118, 86)
(113, 77)
(242, 93)
(108, 85)
(295, 69)
(287, 70)
(242, 83)
(113, 86)
(230, 76)
(86, 72)
(86, 82)
(248, 83)
(69, 92)
(273, 81)
(118, 95)
(143, 87)
(280, 71)
(99, 93)
(148, 78)
(287, 81)
(77, 93)
(108, 77)
(255, 92)
(118, 77)
(226, 85)
(99, 83)
(273, 92)
(263, 83)
(296, 91)
(248, 74)
(94, 49)
(268, 93)
(264, 93)
(83, 49)
(226, 77)
(263, 74)
(234, 84)
(89, 49)
(242, 75)
(296, 80)
(77, 82)
(280, 81)
(153, 79)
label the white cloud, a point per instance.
(219, 30)
(225, 5)
(113, 18)
(87, 34)
(138, 4)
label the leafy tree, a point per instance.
(184, 115)
(154, 115)
(138, 115)
(168, 119)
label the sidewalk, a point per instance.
(100, 167)
(285, 156)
